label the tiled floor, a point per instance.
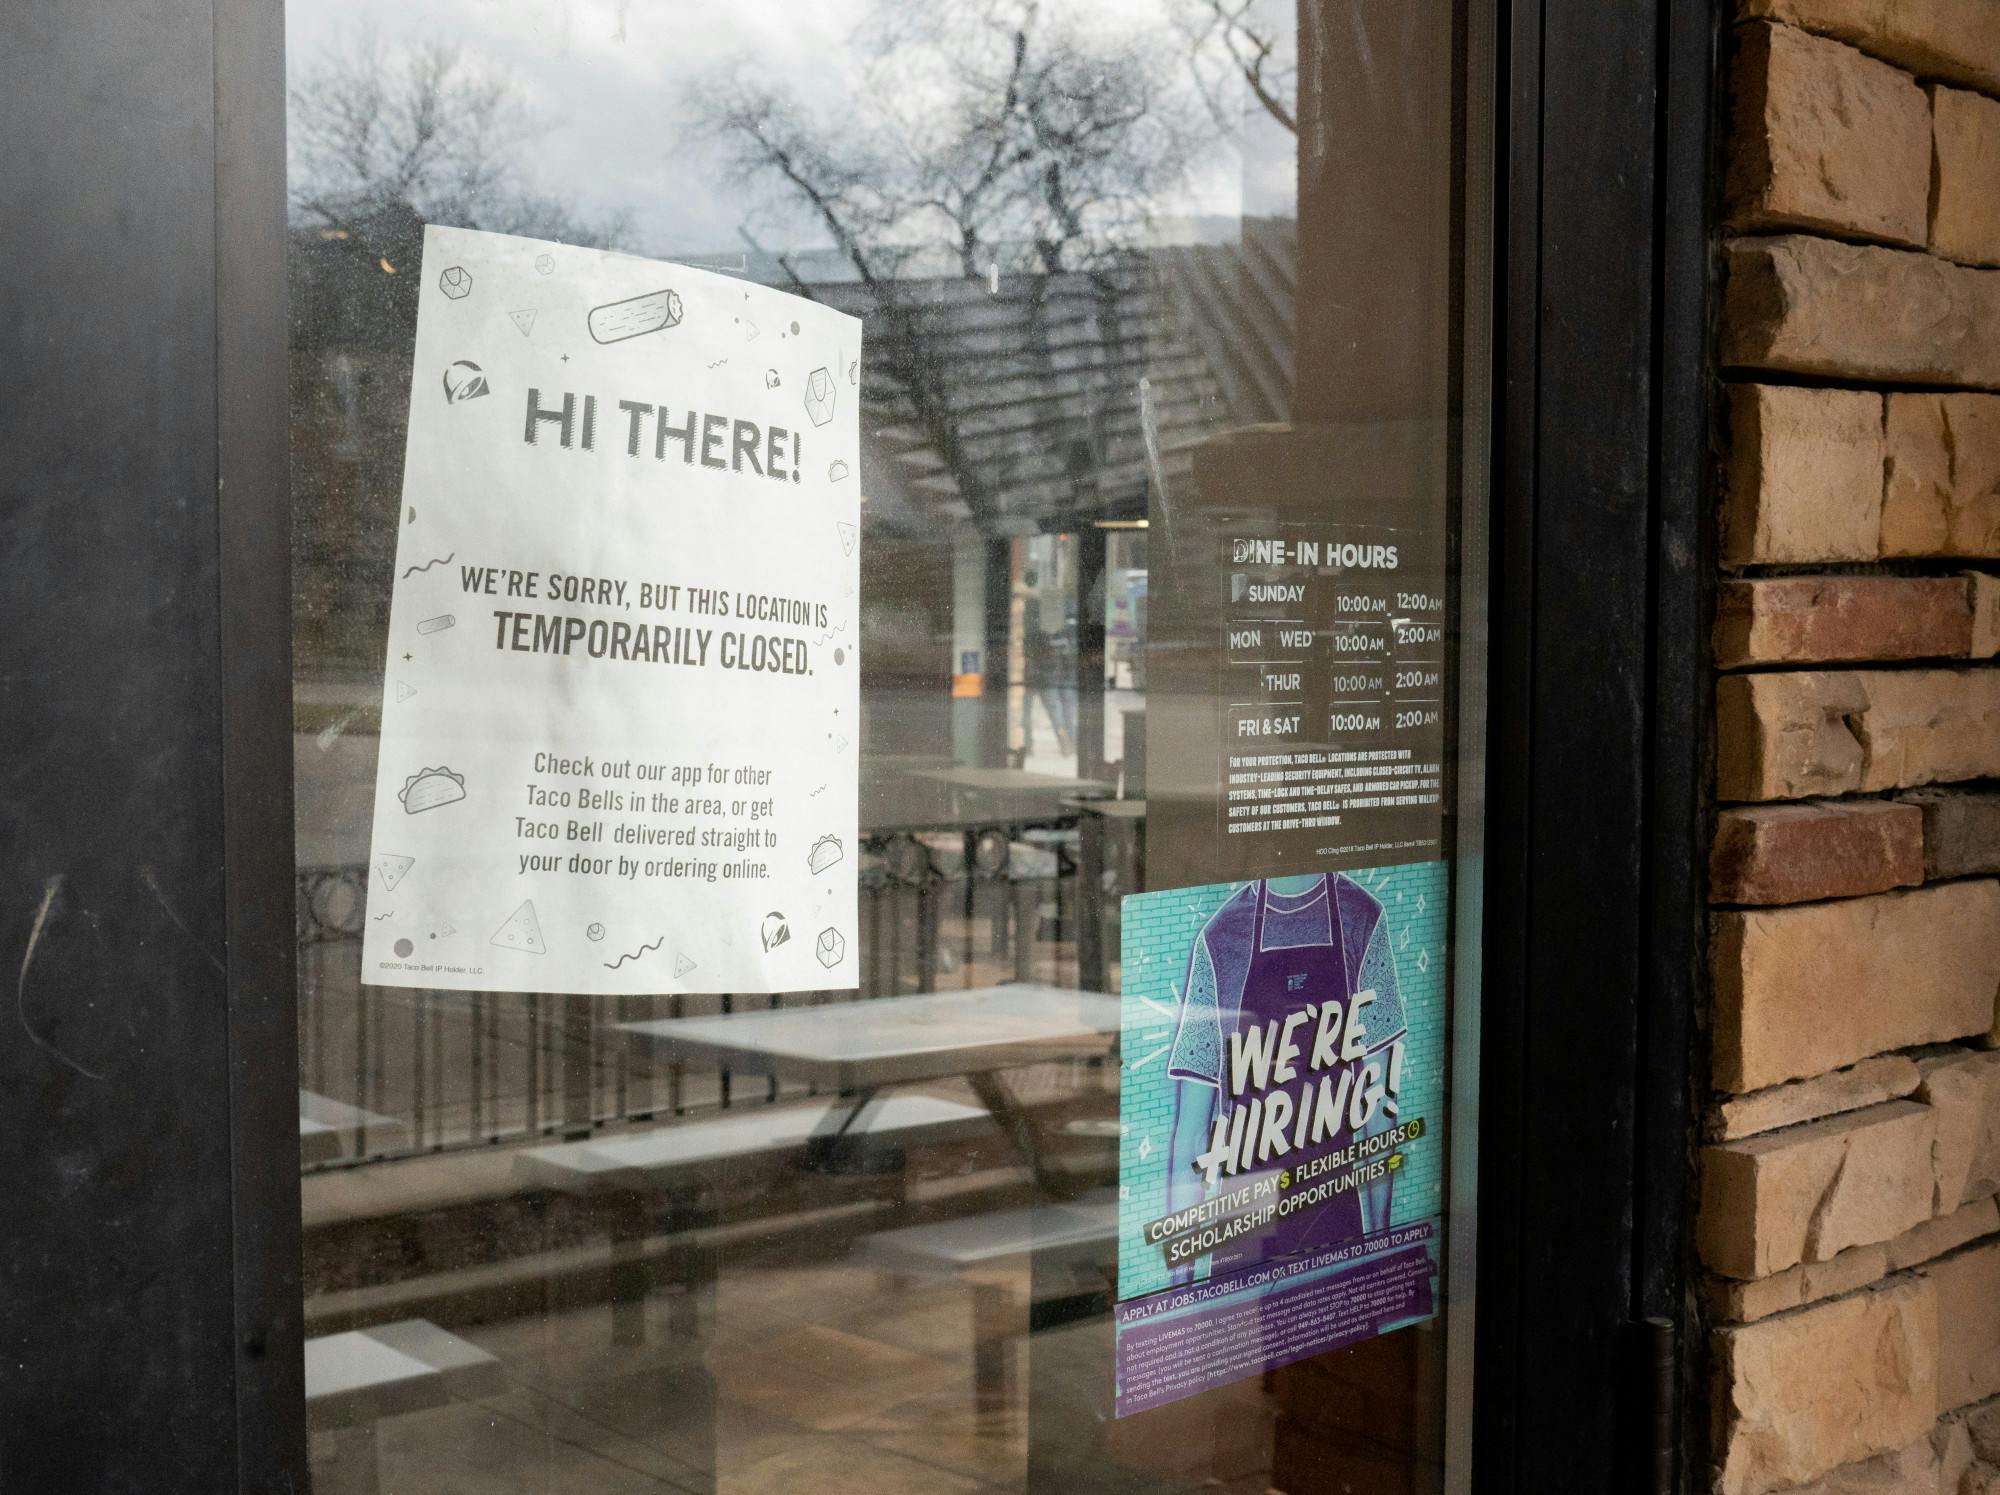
(829, 1376)
(829, 1379)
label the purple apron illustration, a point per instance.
(1261, 957)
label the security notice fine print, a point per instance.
(620, 701)
(1280, 1159)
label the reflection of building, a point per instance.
(1054, 401)
(1051, 405)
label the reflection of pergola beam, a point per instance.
(1039, 394)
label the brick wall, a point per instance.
(1848, 1232)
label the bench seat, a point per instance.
(328, 1127)
(366, 1374)
(656, 1159)
(1083, 1234)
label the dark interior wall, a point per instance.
(123, 1335)
(1377, 252)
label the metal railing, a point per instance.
(412, 1071)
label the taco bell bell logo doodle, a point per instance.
(464, 381)
(775, 931)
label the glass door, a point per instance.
(888, 641)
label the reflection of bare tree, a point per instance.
(992, 137)
(987, 129)
(423, 128)
(382, 142)
(1240, 42)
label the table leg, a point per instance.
(999, 1100)
(1026, 900)
(578, 1067)
(691, 1261)
(993, 1316)
(840, 1143)
(1090, 906)
(970, 867)
(630, 1282)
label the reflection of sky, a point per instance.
(609, 79)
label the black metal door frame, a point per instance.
(151, 1255)
(1598, 733)
(150, 1337)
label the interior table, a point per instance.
(859, 1049)
(1010, 793)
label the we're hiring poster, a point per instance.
(1281, 1167)
(620, 699)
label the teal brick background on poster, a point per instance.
(1158, 931)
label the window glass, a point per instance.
(1117, 1141)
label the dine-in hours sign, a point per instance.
(620, 698)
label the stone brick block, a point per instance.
(1931, 1466)
(1825, 137)
(1941, 464)
(1982, 1425)
(1741, 1302)
(1744, 1302)
(1831, 619)
(1963, 1092)
(1955, 39)
(1798, 1396)
(1822, 849)
(1934, 1238)
(1961, 831)
(1789, 736)
(1985, 614)
(1869, 1083)
(1968, 1306)
(1806, 989)
(1798, 734)
(1965, 203)
(1804, 477)
(1808, 305)
(1929, 727)
(1809, 1192)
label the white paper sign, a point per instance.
(621, 691)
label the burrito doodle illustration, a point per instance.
(617, 320)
